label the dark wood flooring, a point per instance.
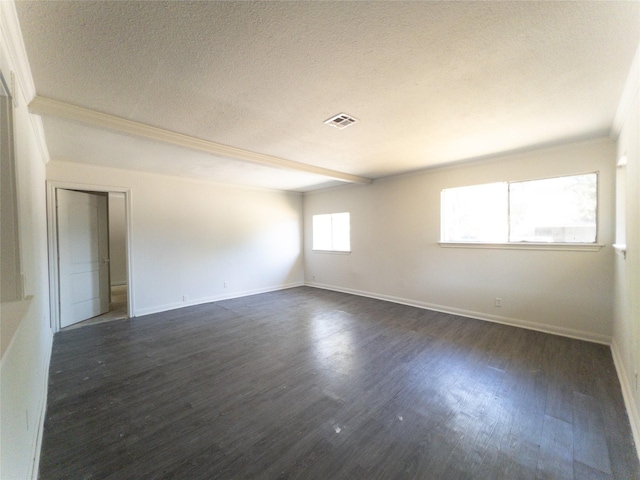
(312, 384)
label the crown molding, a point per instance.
(12, 37)
(47, 106)
(22, 87)
(631, 88)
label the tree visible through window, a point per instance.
(553, 210)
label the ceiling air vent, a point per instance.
(342, 120)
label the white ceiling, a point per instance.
(430, 82)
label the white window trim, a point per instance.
(572, 247)
(334, 252)
(620, 249)
(575, 247)
(620, 246)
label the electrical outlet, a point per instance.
(314, 278)
(226, 284)
(498, 302)
(185, 298)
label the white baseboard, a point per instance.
(627, 391)
(214, 298)
(42, 413)
(539, 327)
(627, 394)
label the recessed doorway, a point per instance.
(89, 247)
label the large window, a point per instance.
(553, 210)
(332, 232)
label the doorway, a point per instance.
(89, 254)
(117, 284)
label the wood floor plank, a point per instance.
(308, 383)
(589, 444)
(556, 450)
(557, 365)
(585, 472)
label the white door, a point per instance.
(83, 255)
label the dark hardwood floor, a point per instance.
(312, 384)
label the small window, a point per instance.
(332, 232)
(553, 210)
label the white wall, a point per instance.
(190, 237)
(24, 326)
(395, 229)
(117, 239)
(626, 327)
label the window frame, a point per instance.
(332, 250)
(526, 245)
(620, 245)
(12, 278)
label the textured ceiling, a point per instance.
(430, 82)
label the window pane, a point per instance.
(322, 232)
(559, 210)
(475, 214)
(341, 232)
(332, 232)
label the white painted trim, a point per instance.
(570, 247)
(620, 249)
(47, 106)
(631, 87)
(12, 38)
(12, 35)
(513, 322)
(333, 252)
(25, 301)
(42, 409)
(215, 298)
(198, 180)
(21, 79)
(52, 247)
(52, 243)
(627, 394)
(38, 130)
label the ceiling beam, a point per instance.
(50, 107)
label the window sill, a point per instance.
(572, 247)
(620, 249)
(335, 252)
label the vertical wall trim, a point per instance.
(627, 394)
(42, 409)
(13, 37)
(17, 52)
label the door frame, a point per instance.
(52, 243)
